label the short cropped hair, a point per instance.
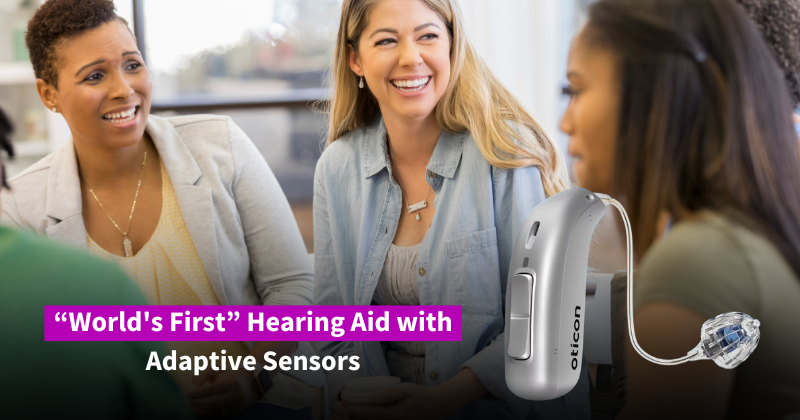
(779, 24)
(57, 20)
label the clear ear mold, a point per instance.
(728, 339)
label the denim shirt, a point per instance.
(462, 260)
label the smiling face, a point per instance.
(591, 119)
(104, 89)
(404, 57)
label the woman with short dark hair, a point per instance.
(187, 206)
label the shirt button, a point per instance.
(431, 174)
(434, 376)
(421, 271)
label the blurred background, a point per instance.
(264, 62)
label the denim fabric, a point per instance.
(465, 253)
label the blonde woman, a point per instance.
(430, 169)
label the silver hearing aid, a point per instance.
(546, 300)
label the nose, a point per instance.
(409, 55)
(120, 87)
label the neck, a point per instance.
(412, 141)
(106, 166)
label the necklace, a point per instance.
(126, 243)
(411, 207)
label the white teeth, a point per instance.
(121, 117)
(412, 85)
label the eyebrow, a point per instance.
(103, 61)
(394, 31)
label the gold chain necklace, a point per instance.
(126, 243)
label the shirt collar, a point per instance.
(444, 161)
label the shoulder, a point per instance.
(201, 132)
(346, 151)
(702, 264)
(27, 195)
(692, 244)
(34, 174)
(58, 274)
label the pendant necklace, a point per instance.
(126, 243)
(411, 207)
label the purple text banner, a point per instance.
(252, 323)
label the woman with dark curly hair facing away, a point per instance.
(676, 110)
(186, 206)
(779, 24)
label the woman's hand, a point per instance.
(402, 402)
(223, 394)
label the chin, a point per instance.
(124, 140)
(416, 112)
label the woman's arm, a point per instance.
(327, 289)
(279, 262)
(279, 266)
(696, 389)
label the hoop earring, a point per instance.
(361, 83)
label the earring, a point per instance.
(54, 109)
(361, 83)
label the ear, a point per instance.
(47, 93)
(354, 61)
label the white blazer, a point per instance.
(236, 213)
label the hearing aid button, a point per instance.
(520, 289)
(519, 342)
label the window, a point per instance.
(238, 52)
(262, 62)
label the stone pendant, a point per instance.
(419, 206)
(418, 216)
(128, 247)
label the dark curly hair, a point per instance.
(779, 24)
(57, 20)
(5, 144)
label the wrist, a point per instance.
(460, 389)
(262, 379)
(448, 397)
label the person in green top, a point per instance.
(678, 109)
(65, 380)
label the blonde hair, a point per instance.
(474, 100)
